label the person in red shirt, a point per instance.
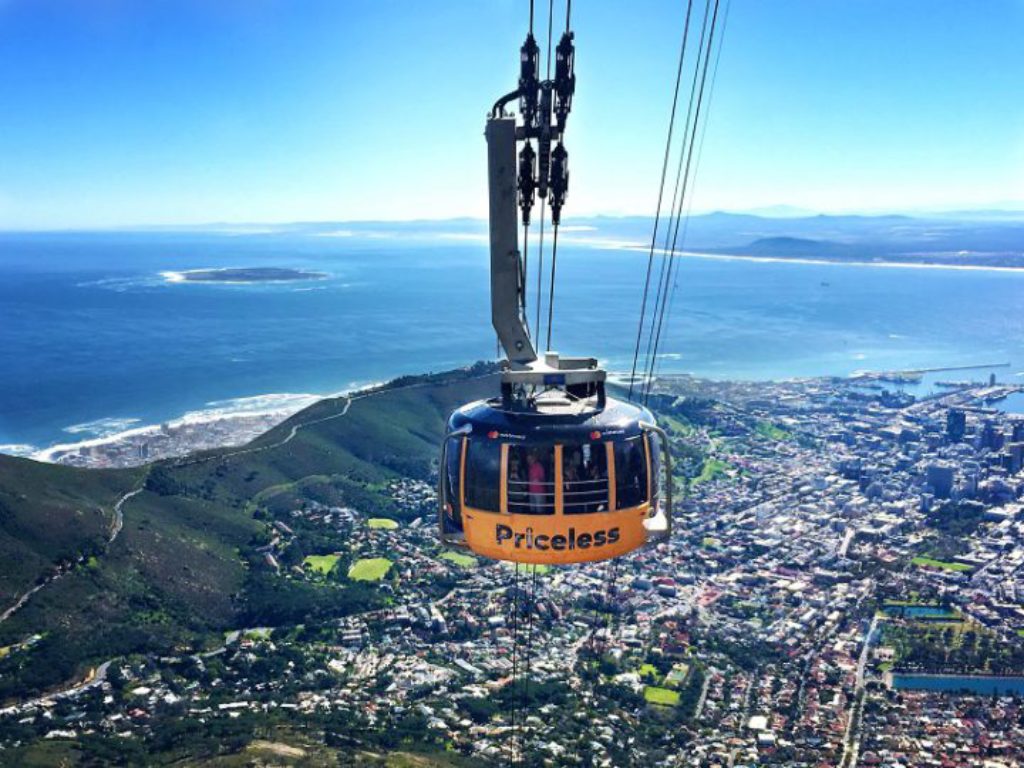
(536, 477)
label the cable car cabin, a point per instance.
(564, 482)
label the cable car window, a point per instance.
(453, 461)
(483, 475)
(630, 473)
(656, 479)
(531, 485)
(584, 478)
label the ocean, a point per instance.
(95, 339)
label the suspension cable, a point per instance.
(523, 274)
(696, 169)
(689, 129)
(540, 266)
(551, 283)
(554, 244)
(661, 191)
(543, 200)
(686, 178)
(513, 702)
(531, 605)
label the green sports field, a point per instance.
(369, 569)
(323, 564)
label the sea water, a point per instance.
(94, 339)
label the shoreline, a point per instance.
(632, 246)
(219, 424)
(235, 421)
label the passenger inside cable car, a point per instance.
(531, 487)
(584, 478)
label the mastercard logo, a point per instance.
(595, 435)
(493, 434)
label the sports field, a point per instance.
(369, 569)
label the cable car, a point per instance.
(551, 471)
(566, 480)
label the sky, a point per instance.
(122, 112)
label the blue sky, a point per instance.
(120, 112)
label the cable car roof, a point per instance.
(556, 418)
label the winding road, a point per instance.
(116, 524)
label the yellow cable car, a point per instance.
(564, 482)
(553, 471)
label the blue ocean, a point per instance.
(95, 338)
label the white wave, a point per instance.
(233, 421)
(101, 427)
(54, 451)
(255, 405)
(257, 412)
(123, 284)
(182, 276)
(671, 356)
(18, 449)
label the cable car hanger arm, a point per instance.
(515, 179)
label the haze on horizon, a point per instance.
(121, 113)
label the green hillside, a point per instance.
(185, 567)
(51, 515)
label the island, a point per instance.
(243, 275)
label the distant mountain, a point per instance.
(993, 238)
(796, 247)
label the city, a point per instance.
(847, 559)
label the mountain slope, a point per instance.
(51, 515)
(185, 567)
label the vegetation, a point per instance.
(52, 515)
(322, 564)
(661, 696)
(466, 561)
(185, 566)
(955, 520)
(369, 569)
(952, 647)
(712, 470)
(931, 563)
(772, 432)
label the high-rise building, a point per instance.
(991, 437)
(940, 478)
(1014, 457)
(956, 424)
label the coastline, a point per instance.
(632, 246)
(220, 424)
(127, 442)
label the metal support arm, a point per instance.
(506, 267)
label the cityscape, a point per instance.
(844, 588)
